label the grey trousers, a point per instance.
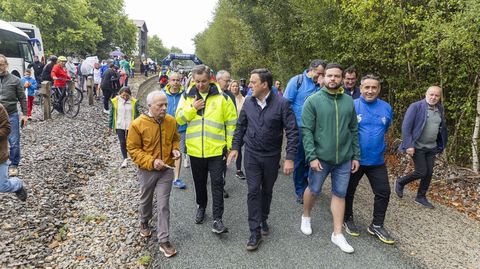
(160, 183)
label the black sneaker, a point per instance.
(350, 227)
(398, 188)
(200, 217)
(218, 227)
(21, 194)
(265, 229)
(225, 194)
(254, 242)
(423, 201)
(381, 233)
(300, 200)
(240, 174)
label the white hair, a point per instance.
(221, 73)
(153, 95)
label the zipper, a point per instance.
(203, 128)
(336, 126)
(161, 148)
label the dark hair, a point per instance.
(111, 65)
(333, 65)
(264, 75)
(200, 70)
(350, 70)
(316, 63)
(125, 89)
(369, 76)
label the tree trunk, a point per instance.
(476, 130)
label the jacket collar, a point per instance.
(214, 89)
(168, 87)
(340, 92)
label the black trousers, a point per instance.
(378, 177)
(200, 168)
(122, 137)
(107, 95)
(261, 173)
(424, 160)
(238, 162)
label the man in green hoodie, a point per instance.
(330, 139)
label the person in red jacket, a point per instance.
(59, 74)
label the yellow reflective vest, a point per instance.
(209, 130)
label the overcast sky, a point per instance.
(175, 22)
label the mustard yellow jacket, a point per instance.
(148, 140)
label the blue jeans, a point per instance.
(300, 172)
(8, 184)
(14, 139)
(340, 176)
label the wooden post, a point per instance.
(45, 92)
(90, 90)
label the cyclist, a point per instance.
(60, 76)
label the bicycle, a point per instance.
(65, 101)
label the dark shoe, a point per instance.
(200, 215)
(254, 242)
(218, 227)
(300, 200)
(265, 229)
(21, 194)
(225, 194)
(380, 233)
(240, 174)
(350, 227)
(398, 188)
(145, 230)
(423, 201)
(167, 249)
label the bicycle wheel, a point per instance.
(78, 93)
(71, 106)
(52, 102)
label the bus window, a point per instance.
(27, 52)
(9, 45)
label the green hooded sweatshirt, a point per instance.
(329, 127)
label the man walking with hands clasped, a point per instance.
(153, 143)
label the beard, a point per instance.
(333, 87)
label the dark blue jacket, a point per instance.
(414, 122)
(355, 94)
(262, 129)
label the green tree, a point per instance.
(156, 49)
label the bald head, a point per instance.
(433, 95)
(157, 104)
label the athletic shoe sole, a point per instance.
(219, 232)
(255, 247)
(145, 235)
(167, 255)
(348, 231)
(380, 237)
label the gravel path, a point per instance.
(81, 213)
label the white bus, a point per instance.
(15, 45)
(35, 36)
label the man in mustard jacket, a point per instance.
(211, 118)
(153, 143)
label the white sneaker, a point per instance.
(106, 111)
(306, 226)
(342, 243)
(124, 163)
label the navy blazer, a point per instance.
(414, 122)
(262, 129)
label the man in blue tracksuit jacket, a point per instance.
(298, 89)
(374, 117)
(174, 90)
